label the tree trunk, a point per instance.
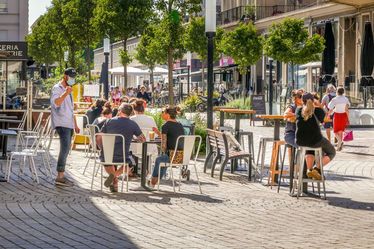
(46, 71)
(293, 75)
(202, 74)
(125, 65)
(170, 76)
(151, 77)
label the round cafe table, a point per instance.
(222, 114)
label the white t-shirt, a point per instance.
(339, 103)
(145, 123)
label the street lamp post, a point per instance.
(106, 68)
(210, 30)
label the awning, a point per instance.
(160, 70)
(314, 64)
(130, 70)
(356, 3)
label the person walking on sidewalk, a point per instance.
(327, 122)
(63, 121)
(339, 105)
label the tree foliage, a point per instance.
(170, 31)
(289, 42)
(195, 39)
(121, 20)
(244, 45)
(40, 43)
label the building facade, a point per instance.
(14, 22)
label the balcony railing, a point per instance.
(261, 12)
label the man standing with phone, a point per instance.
(63, 121)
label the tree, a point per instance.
(121, 20)
(77, 15)
(195, 40)
(148, 50)
(289, 42)
(170, 31)
(40, 43)
(244, 45)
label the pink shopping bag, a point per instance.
(348, 136)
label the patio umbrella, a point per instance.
(367, 57)
(328, 58)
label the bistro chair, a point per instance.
(92, 129)
(108, 144)
(189, 145)
(26, 152)
(82, 119)
(21, 125)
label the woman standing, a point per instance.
(339, 105)
(327, 122)
(308, 134)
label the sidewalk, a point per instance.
(232, 213)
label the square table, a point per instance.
(4, 124)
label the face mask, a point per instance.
(71, 81)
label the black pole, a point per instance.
(270, 87)
(210, 82)
(106, 78)
(188, 79)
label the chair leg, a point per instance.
(9, 167)
(249, 167)
(93, 174)
(123, 177)
(281, 169)
(159, 178)
(197, 177)
(49, 163)
(88, 161)
(214, 165)
(210, 154)
(180, 178)
(263, 151)
(172, 176)
(33, 165)
(101, 177)
(223, 165)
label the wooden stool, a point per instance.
(273, 171)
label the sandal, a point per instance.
(108, 182)
(113, 189)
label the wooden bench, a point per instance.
(225, 147)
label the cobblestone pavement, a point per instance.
(233, 213)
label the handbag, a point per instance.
(348, 136)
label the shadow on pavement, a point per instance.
(350, 204)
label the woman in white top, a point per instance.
(146, 124)
(339, 105)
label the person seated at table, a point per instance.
(144, 121)
(116, 95)
(124, 99)
(290, 117)
(142, 94)
(170, 131)
(95, 111)
(129, 129)
(105, 115)
(308, 134)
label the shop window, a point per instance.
(3, 35)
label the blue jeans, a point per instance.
(161, 159)
(65, 135)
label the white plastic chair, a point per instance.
(108, 144)
(137, 148)
(81, 120)
(92, 129)
(188, 154)
(28, 152)
(21, 125)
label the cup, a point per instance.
(151, 135)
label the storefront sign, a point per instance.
(13, 50)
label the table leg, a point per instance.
(276, 138)
(292, 167)
(237, 137)
(144, 165)
(5, 141)
(221, 119)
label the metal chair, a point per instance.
(299, 180)
(262, 152)
(188, 153)
(21, 125)
(28, 152)
(108, 144)
(81, 120)
(92, 129)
